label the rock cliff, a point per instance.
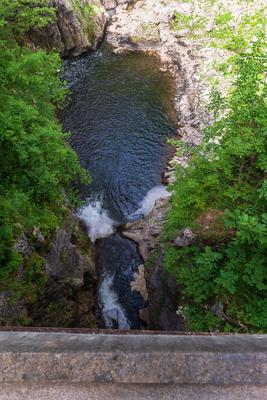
(79, 27)
(162, 291)
(56, 282)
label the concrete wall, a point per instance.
(96, 366)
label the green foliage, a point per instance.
(228, 31)
(237, 37)
(191, 22)
(181, 20)
(226, 178)
(87, 13)
(37, 166)
(223, 19)
(32, 284)
(198, 320)
(19, 16)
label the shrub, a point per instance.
(228, 173)
(37, 165)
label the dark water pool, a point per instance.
(119, 117)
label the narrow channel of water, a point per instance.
(120, 117)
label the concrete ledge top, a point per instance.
(33, 342)
(31, 357)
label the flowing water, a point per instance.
(120, 116)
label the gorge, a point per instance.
(165, 108)
(120, 115)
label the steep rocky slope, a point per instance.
(60, 278)
(79, 27)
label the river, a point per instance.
(120, 116)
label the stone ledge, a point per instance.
(96, 391)
(143, 359)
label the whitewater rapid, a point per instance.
(100, 225)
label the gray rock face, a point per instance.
(65, 261)
(146, 232)
(23, 246)
(69, 295)
(164, 298)
(78, 28)
(163, 292)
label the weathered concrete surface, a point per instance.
(131, 392)
(133, 359)
(62, 366)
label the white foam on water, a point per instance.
(97, 221)
(149, 201)
(111, 309)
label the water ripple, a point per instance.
(118, 116)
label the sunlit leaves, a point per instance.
(37, 165)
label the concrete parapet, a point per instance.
(52, 365)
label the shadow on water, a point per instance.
(119, 116)
(117, 262)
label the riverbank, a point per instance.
(188, 45)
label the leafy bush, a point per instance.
(224, 272)
(36, 162)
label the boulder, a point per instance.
(22, 245)
(68, 298)
(66, 261)
(146, 232)
(185, 238)
(109, 4)
(146, 33)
